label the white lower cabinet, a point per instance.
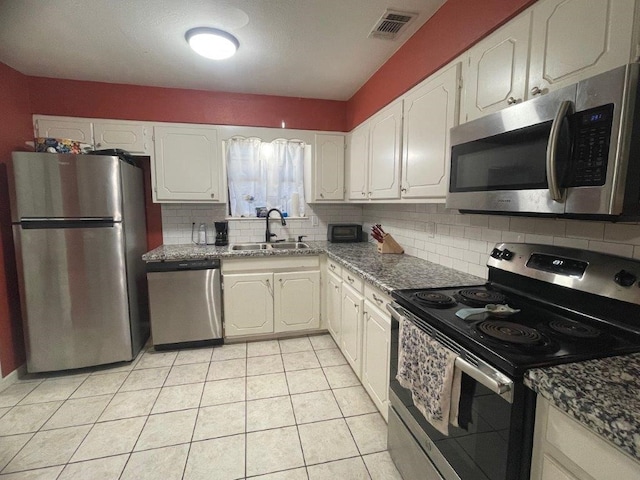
(270, 295)
(351, 345)
(361, 327)
(564, 449)
(248, 303)
(296, 301)
(334, 306)
(376, 349)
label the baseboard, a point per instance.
(13, 376)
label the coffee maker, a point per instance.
(222, 233)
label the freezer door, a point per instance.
(49, 185)
(73, 289)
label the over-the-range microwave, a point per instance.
(573, 152)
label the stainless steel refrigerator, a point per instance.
(79, 233)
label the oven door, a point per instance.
(496, 444)
(499, 162)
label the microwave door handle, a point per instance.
(552, 150)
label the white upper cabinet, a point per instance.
(430, 110)
(358, 151)
(496, 70)
(80, 130)
(575, 39)
(132, 137)
(329, 167)
(385, 143)
(188, 166)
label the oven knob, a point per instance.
(624, 278)
(496, 253)
(507, 254)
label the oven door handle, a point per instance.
(487, 376)
(552, 151)
(494, 381)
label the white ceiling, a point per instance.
(297, 48)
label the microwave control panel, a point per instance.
(591, 147)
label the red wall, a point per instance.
(456, 26)
(130, 102)
(15, 129)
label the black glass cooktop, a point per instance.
(537, 335)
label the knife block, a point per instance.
(389, 245)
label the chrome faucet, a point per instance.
(268, 234)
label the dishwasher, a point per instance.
(185, 302)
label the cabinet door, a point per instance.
(130, 137)
(375, 356)
(329, 167)
(385, 153)
(358, 150)
(297, 301)
(334, 307)
(248, 303)
(78, 130)
(497, 70)
(351, 345)
(575, 39)
(429, 113)
(188, 165)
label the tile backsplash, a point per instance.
(177, 221)
(462, 242)
(428, 231)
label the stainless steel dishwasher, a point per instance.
(185, 302)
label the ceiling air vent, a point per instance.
(391, 24)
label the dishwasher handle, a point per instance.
(177, 265)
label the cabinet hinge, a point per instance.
(460, 83)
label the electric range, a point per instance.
(557, 305)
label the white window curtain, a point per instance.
(265, 175)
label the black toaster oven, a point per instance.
(344, 232)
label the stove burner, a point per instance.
(510, 332)
(435, 299)
(574, 329)
(480, 297)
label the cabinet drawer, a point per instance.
(334, 267)
(377, 298)
(353, 280)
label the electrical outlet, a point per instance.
(314, 221)
(431, 229)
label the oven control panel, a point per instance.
(593, 272)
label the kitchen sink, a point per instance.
(289, 245)
(250, 246)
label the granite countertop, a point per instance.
(603, 395)
(387, 272)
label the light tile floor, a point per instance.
(274, 410)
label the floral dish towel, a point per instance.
(427, 369)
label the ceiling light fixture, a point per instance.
(212, 43)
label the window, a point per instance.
(264, 175)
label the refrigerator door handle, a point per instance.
(62, 222)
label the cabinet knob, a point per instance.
(511, 100)
(98, 145)
(536, 91)
(351, 280)
(322, 195)
(378, 300)
(213, 195)
(403, 190)
(332, 266)
(363, 194)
